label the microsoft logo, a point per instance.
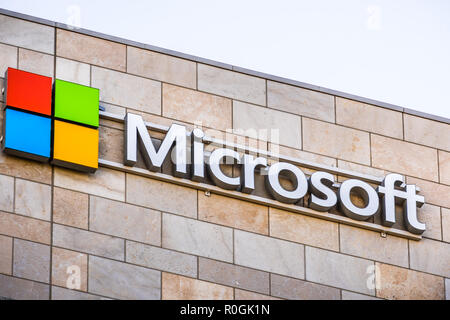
(45, 122)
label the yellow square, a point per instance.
(75, 146)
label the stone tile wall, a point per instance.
(114, 235)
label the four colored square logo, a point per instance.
(64, 132)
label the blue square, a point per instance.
(26, 135)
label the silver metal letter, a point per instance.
(218, 177)
(322, 198)
(365, 191)
(135, 127)
(197, 155)
(410, 210)
(390, 196)
(297, 178)
(249, 164)
(392, 191)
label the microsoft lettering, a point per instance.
(393, 190)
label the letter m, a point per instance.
(136, 135)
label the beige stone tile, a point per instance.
(8, 58)
(370, 245)
(161, 196)
(104, 182)
(267, 124)
(2, 85)
(73, 71)
(427, 132)
(123, 281)
(23, 227)
(269, 254)
(111, 108)
(430, 256)
(230, 138)
(160, 121)
(161, 67)
(76, 46)
(33, 199)
(446, 224)
(233, 213)
(403, 157)
(233, 276)
(300, 101)
(127, 90)
(399, 283)
(336, 141)
(431, 216)
(303, 155)
(348, 295)
(20, 289)
(31, 260)
(27, 34)
(36, 62)
(240, 138)
(154, 119)
(111, 141)
(444, 167)
(338, 270)
(67, 294)
(70, 208)
(196, 107)
(111, 144)
(231, 84)
(294, 289)
(304, 229)
(248, 295)
(447, 289)
(6, 254)
(176, 287)
(369, 118)
(26, 169)
(161, 259)
(7, 194)
(88, 242)
(124, 220)
(361, 169)
(434, 193)
(197, 237)
(67, 265)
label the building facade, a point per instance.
(127, 232)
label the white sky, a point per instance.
(395, 51)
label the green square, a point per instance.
(77, 103)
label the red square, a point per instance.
(28, 91)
